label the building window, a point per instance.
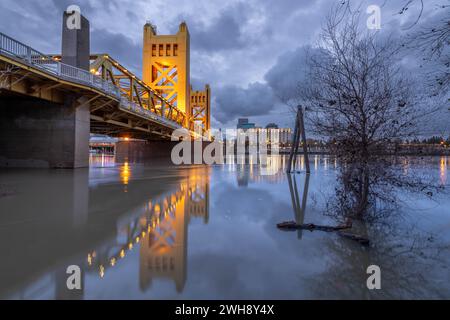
(175, 50)
(161, 50)
(168, 49)
(154, 50)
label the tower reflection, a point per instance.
(163, 253)
(160, 230)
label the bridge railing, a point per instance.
(19, 50)
(9, 45)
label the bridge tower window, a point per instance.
(175, 50)
(168, 49)
(161, 50)
(154, 50)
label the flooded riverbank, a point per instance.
(142, 231)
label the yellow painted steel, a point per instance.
(201, 107)
(166, 65)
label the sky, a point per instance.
(249, 51)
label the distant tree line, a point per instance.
(433, 140)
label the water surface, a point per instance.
(163, 232)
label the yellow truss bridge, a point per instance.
(119, 101)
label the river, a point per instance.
(154, 231)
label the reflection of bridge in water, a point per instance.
(160, 230)
(97, 235)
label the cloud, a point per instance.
(288, 71)
(119, 47)
(236, 45)
(224, 31)
(223, 34)
(232, 101)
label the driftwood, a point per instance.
(291, 225)
(355, 237)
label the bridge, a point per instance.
(50, 103)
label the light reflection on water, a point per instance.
(443, 170)
(165, 232)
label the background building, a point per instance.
(244, 124)
(284, 134)
(271, 130)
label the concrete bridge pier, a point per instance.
(41, 134)
(150, 151)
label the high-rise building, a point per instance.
(284, 135)
(244, 124)
(272, 126)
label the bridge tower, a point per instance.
(201, 107)
(166, 65)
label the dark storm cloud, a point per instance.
(224, 32)
(261, 98)
(232, 101)
(289, 70)
(119, 47)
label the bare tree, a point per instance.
(356, 93)
(433, 39)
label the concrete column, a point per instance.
(40, 134)
(76, 43)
